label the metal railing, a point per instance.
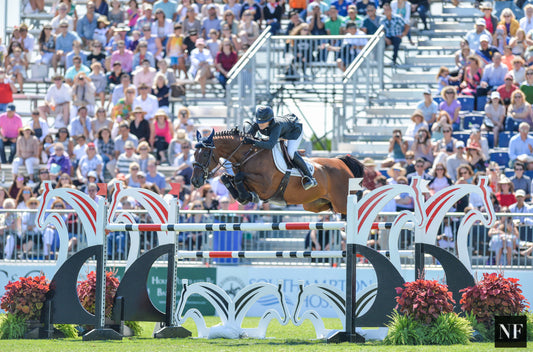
(17, 243)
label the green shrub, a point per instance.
(135, 327)
(449, 329)
(404, 330)
(68, 330)
(481, 333)
(12, 326)
(529, 315)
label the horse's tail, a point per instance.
(355, 166)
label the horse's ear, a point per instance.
(198, 136)
(210, 138)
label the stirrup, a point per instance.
(308, 182)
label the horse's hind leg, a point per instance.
(318, 205)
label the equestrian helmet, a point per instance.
(263, 114)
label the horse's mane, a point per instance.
(234, 132)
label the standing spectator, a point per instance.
(175, 50)
(87, 24)
(7, 88)
(494, 116)
(124, 56)
(395, 29)
(224, 61)
(147, 102)
(10, 123)
(520, 144)
(27, 152)
(521, 181)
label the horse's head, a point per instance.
(204, 161)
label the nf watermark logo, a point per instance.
(510, 331)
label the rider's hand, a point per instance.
(247, 140)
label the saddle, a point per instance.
(283, 162)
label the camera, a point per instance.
(397, 135)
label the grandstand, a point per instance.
(349, 103)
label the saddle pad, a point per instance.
(281, 165)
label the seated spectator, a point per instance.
(87, 24)
(184, 162)
(147, 16)
(494, 76)
(443, 122)
(116, 14)
(422, 146)
(184, 122)
(395, 29)
(214, 45)
(162, 26)
(90, 162)
(64, 42)
(471, 78)
(233, 38)
(81, 124)
(96, 54)
(169, 74)
(139, 126)
(124, 56)
(519, 43)
(445, 145)
(76, 52)
(44, 175)
(7, 88)
(174, 148)
(475, 157)
(10, 123)
(124, 106)
(420, 170)
(417, 122)
(395, 172)
(521, 207)
(59, 162)
(47, 46)
(350, 46)
(102, 31)
(403, 201)
(440, 179)
(161, 135)
(119, 91)
(123, 137)
(519, 111)
(224, 61)
(114, 77)
(508, 20)
(210, 20)
(99, 80)
(144, 156)
(521, 181)
(485, 51)
(100, 121)
(73, 72)
(505, 192)
(508, 57)
(23, 196)
(161, 90)
(146, 101)
(445, 240)
(27, 152)
(518, 71)
(65, 181)
(494, 116)
(527, 86)
(142, 54)
(479, 140)
(155, 177)
(83, 95)
(249, 29)
(131, 177)
(63, 137)
(16, 65)
(372, 21)
(521, 143)
(398, 146)
(503, 236)
(38, 126)
(106, 148)
(455, 161)
(201, 64)
(144, 74)
(62, 11)
(126, 158)
(452, 106)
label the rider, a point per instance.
(285, 127)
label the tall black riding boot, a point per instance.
(308, 181)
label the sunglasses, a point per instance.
(446, 131)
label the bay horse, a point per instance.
(256, 176)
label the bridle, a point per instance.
(204, 160)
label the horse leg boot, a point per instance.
(245, 196)
(228, 182)
(308, 181)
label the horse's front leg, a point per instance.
(244, 196)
